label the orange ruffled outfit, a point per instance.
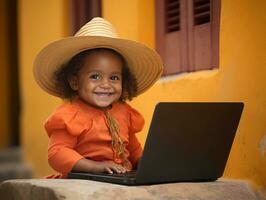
(77, 130)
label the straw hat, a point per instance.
(143, 62)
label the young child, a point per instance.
(95, 72)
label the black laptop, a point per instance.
(186, 142)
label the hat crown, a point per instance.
(97, 27)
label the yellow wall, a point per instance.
(40, 22)
(240, 77)
(132, 19)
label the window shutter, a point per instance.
(172, 15)
(187, 34)
(83, 11)
(201, 34)
(201, 11)
(168, 34)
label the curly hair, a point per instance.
(129, 83)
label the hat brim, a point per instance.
(142, 61)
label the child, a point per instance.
(94, 131)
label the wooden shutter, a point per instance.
(187, 34)
(172, 16)
(201, 12)
(168, 34)
(203, 34)
(83, 11)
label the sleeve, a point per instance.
(136, 124)
(63, 130)
(136, 120)
(72, 121)
(135, 149)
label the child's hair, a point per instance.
(129, 83)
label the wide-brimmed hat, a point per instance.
(142, 61)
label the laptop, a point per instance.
(186, 142)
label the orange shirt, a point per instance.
(77, 130)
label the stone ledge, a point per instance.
(59, 189)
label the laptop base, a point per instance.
(123, 179)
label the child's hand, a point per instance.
(110, 167)
(86, 165)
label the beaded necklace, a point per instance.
(118, 145)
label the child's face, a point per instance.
(99, 81)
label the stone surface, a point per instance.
(65, 189)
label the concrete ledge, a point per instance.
(52, 189)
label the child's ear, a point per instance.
(73, 82)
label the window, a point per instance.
(187, 34)
(83, 11)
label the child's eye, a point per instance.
(95, 76)
(115, 78)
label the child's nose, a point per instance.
(105, 83)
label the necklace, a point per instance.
(117, 142)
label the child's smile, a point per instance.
(99, 81)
